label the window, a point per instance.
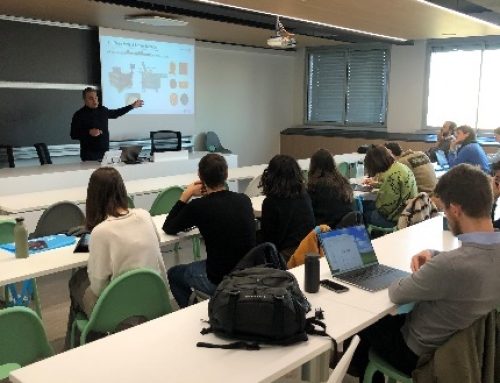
(347, 86)
(464, 85)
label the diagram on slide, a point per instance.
(160, 73)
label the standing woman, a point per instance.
(287, 215)
(397, 185)
(466, 150)
(121, 240)
(330, 192)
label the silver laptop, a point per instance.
(351, 258)
(442, 160)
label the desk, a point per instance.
(49, 262)
(53, 177)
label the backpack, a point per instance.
(259, 304)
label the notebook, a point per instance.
(48, 242)
(351, 258)
(442, 160)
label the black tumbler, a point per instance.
(311, 277)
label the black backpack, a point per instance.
(260, 305)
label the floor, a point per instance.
(53, 292)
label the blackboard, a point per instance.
(33, 53)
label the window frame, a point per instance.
(347, 50)
(445, 45)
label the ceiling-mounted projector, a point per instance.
(282, 39)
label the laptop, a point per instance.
(130, 154)
(351, 258)
(442, 160)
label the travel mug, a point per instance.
(311, 270)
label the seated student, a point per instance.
(495, 182)
(496, 157)
(396, 185)
(419, 164)
(451, 289)
(121, 240)
(331, 194)
(226, 222)
(466, 150)
(287, 214)
(444, 138)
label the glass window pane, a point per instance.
(453, 87)
(488, 110)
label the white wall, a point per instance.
(407, 82)
(246, 96)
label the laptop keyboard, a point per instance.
(370, 272)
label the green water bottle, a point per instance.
(21, 238)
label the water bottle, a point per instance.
(360, 170)
(311, 273)
(21, 238)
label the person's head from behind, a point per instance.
(212, 170)
(497, 134)
(495, 172)
(90, 98)
(448, 129)
(106, 196)
(394, 148)
(321, 164)
(465, 134)
(378, 159)
(465, 195)
(282, 178)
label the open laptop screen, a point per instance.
(441, 159)
(347, 249)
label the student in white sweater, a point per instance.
(122, 239)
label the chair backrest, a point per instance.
(344, 169)
(7, 231)
(136, 293)
(253, 189)
(23, 339)
(213, 143)
(338, 373)
(166, 200)
(58, 218)
(43, 153)
(265, 253)
(7, 156)
(165, 140)
(130, 202)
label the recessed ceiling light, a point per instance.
(157, 20)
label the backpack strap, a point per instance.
(231, 346)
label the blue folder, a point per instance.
(52, 241)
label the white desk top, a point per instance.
(52, 261)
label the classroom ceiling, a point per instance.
(251, 22)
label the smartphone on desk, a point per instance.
(334, 286)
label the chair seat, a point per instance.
(377, 363)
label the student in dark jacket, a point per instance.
(226, 222)
(287, 215)
(330, 192)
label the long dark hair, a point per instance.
(324, 175)
(106, 196)
(282, 178)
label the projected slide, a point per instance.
(159, 72)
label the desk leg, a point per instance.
(317, 370)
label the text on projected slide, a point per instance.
(160, 73)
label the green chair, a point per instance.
(29, 288)
(136, 293)
(7, 231)
(130, 202)
(166, 200)
(23, 339)
(376, 363)
(344, 169)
